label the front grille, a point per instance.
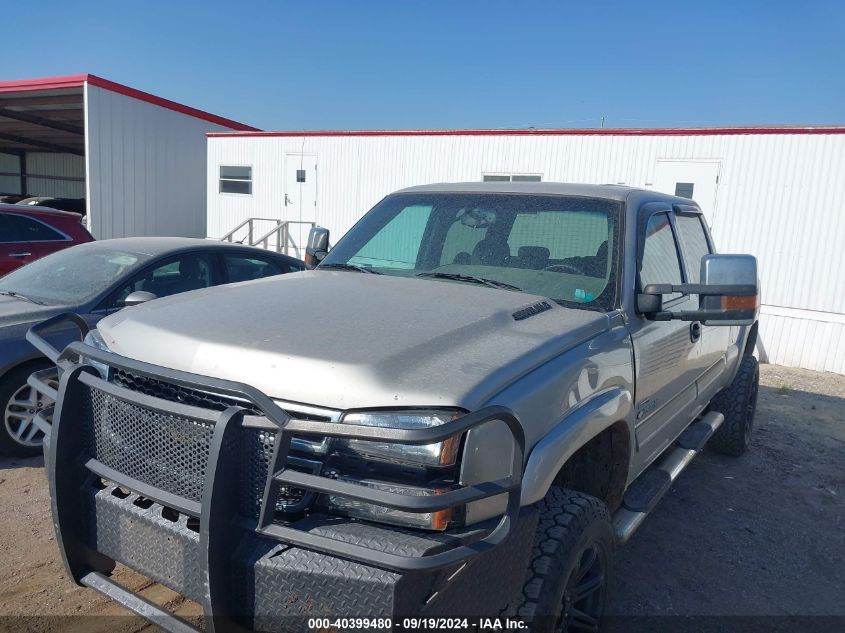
(163, 450)
(170, 452)
(177, 393)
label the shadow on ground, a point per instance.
(761, 535)
(7, 462)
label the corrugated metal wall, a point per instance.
(779, 197)
(10, 181)
(48, 174)
(146, 167)
(60, 175)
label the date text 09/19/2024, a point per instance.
(414, 624)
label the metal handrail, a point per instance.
(230, 236)
(283, 243)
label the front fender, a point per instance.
(580, 425)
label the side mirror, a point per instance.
(318, 246)
(729, 293)
(137, 297)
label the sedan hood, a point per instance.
(347, 340)
(14, 311)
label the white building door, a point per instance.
(695, 179)
(300, 196)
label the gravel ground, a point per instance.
(762, 535)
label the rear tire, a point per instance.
(566, 582)
(738, 403)
(18, 404)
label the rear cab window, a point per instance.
(694, 246)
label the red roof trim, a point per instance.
(713, 131)
(77, 81)
(167, 103)
(45, 83)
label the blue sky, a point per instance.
(359, 65)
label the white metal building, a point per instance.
(778, 193)
(138, 160)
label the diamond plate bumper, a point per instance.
(192, 534)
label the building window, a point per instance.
(684, 189)
(300, 175)
(234, 179)
(512, 177)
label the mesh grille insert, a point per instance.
(171, 452)
(163, 450)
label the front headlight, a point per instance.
(424, 470)
(94, 339)
(443, 453)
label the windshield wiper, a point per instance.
(17, 295)
(492, 283)
(355, 267)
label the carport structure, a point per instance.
(138, 160)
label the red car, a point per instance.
(27, 233)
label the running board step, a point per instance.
(642, 496)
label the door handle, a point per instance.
(19, 254)
(694, 331)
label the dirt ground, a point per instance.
(763, 535)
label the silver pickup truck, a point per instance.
(475, 396)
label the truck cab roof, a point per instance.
(622, 193)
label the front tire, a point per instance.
(566, 584)
(19, 403)
(738, 403)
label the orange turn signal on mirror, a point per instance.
(747, 302)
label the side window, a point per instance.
(7, 229)
(660, 264)
(693, 244)
(397, 244)
(243, 268)
(235, 179)
(191, 271)
(17, 228)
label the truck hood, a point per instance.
(346, 340)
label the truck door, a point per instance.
(714, 339)
(665, 352)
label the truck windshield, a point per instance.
(561, 247)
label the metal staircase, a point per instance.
(278, 238)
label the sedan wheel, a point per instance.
(19, 418)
